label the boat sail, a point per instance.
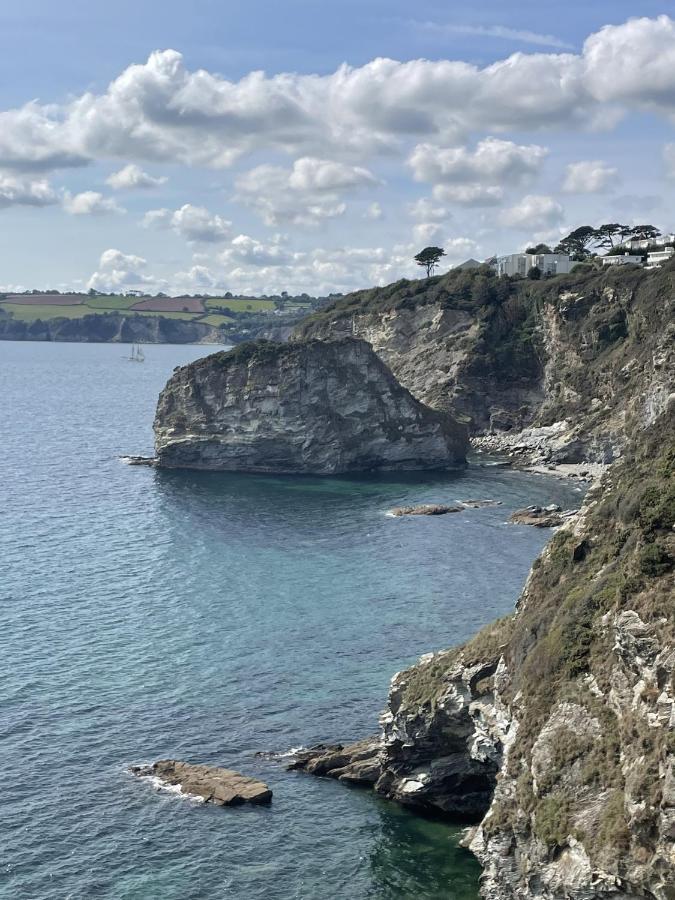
(137, 354)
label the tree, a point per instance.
(534, 273)
(644, 233)
(577, 243)
(540, 248)
(429, 258)
(611, 235)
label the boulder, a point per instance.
(223, 787)
(305, 407)
(357, 763)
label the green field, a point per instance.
(216, 319)
(239, 305)
(30, 312)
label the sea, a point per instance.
(210, 617)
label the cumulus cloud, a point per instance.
(533, 212)
(161, 111)
(194, 223)
(245, 250)
(118, 271)
(305, 194)
(90, 203)
(588, 177)
(131, 177)
(469, 194)
(427, 211)
(374, 212)
(18, 191)
(492, 160)
(424, 232)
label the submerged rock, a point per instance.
(223, 787)
(305, 407)
(425, 509)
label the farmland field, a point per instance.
(240, 304)
(216, 319)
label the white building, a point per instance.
(521, 263)
(660, 256)
(624, 259)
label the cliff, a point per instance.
(306, 407)
(111, 328)
(554, 729)
(559, 370)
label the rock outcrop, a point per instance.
(222, 787)
(554, 729)
(557, 371)
(305, 407)
(541, 516)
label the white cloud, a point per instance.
(245, 250)
(424, 232)
(533, 212)
(131, 177)
(90, 203)
(305, 194)
(469, 194)
(588, 177)
(161, 111)
(17, 191)
(492, 160)
(522, 36)
(194, 223)
(374, 212)
(426, 211)
(118, 271)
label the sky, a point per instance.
(258, 147)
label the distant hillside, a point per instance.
(106, 317)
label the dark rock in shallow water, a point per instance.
(356, 763)
(541, 517)
(305, 407)
(215, 785)
(425, 509)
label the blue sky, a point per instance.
(191, 174)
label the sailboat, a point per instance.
(137, 354)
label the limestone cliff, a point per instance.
(561, 370)
(554, 728)
(306, 407)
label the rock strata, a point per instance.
(307, 407)
(221, 787)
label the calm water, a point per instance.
(206, 617)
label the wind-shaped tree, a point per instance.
(429, 258)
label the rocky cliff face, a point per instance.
(554, 728)
(297, 408)
(561, 370)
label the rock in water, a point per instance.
(220, 786)
(541, 517)
(424, 509)
(307, 407)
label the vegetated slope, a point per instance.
(571, 700)
(584, 355)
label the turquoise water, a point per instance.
(202, 616)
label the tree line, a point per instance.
(581, 242)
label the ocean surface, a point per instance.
(150, 614)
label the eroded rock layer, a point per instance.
(307, 407)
